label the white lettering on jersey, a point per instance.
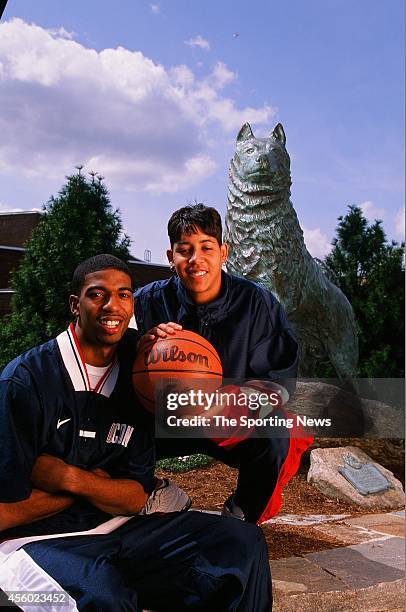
(83, 433)
(119, 433)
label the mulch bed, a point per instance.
(290, 541)
(209, 487)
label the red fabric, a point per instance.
(297, 446)
(234, 434)
(241, 433)
(299, 442)
(228, 442)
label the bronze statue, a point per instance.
(266, 245)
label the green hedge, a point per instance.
(184, 464)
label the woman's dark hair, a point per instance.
(190, 219)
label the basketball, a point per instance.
(179, 359)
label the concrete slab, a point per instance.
(389, 524)
(383, 597)
(389, 552)
(295, 575)
(348, 534)
(313, 602)
(364, 565)
(304, 520)
(367, 575)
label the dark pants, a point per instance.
(188, 561)
(259, 461)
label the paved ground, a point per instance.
(365, 575)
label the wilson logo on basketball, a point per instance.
(157, 355)
(186, 357)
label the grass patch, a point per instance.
(183, 464)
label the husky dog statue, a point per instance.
(266, 245)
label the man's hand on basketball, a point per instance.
(163, 330)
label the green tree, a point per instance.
(369, 270)
(77, 224)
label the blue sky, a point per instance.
(152, 94)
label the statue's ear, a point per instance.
(278, 134)
(245, 133)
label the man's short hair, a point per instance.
(190, 219)
(94, 264)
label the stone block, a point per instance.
(295, 575)
(389, 524)
(324, 475)
(363, 565)
(381, 597)
(304, 520)
(348, 534)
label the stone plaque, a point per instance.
(364, 477)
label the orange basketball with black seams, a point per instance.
(184, 360)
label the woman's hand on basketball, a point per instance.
(163, 330)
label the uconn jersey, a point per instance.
(47, 407)
(99, 562)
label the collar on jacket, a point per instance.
(76, 367)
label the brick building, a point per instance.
(15, 230)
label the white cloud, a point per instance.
(317, 243)
(142, 126)
(182, 76)
(371, 211)
(160, 178)
(155, 8)
(400, 224)
(62, 33)
(221, 75)
(231, 118)
(198, 41)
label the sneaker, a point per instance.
(167, 498)
(231, 509)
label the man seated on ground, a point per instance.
(75, 456)
(249, 329)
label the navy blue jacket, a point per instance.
(46, 406)
(246, 324)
